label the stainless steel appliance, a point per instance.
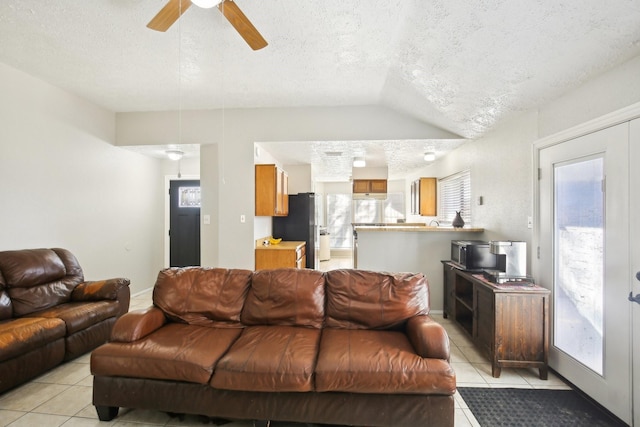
(472, 255)
(300, 225)
(511, 263)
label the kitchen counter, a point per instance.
(420, 228)
(286, 254)
(410, 248)
(283, 245)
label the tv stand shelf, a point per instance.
(509, 322)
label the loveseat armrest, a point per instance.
(137, 324)
(428, 337)
(110, 289)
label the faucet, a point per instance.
(432, 221)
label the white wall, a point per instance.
(236, 136)
(189, 166)
(210, 187)
(300, 179)
(500, 165)
(501, 161)
(63, 183)
(609, 92)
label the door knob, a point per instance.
(635, 299)
(638, 275)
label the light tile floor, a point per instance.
(62, 396)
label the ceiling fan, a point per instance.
(174, 8)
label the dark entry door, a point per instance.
(184, 223)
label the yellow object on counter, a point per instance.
(273, 241)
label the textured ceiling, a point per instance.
(462, 65)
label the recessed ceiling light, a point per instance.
(429, 156)
(359, 162)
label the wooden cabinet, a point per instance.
(369, 185)
(424, 199)
(449, 297)
(509, 323)
(272, 195)
(282, 255)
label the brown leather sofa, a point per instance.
(49, 313)
(343, 347)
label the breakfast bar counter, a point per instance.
(417, 228)
(409, 248)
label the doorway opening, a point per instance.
(182, 221)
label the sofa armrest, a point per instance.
(99, 290)
(137, 324)
(110, 289)
(428, 337)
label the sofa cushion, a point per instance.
(202, 296)
(288, 296)
(19, 336)
(80, 315)
(365, 361)
(39, 278)
(358, 299)
(174, 352)
(269, 358)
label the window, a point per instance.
(455, 195)
(342, 210)
(372, 210)
(339, 220)
(189, 197)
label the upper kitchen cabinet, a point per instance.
(424, 199)
(369, 185)
(272, 196)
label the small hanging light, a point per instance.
(174, 154)
(206, 4)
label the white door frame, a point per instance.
(167, 213)
(634, 257)
(621, 116)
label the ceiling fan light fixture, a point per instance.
(174, 154)
(359, 162)
(429, 156)
(206, 4)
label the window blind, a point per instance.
(455, 195)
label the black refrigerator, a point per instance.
(300, 225)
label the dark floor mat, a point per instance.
(512, 407)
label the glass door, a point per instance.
(584, 260)
(578, 231)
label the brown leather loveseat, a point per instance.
(344, 347)
(49, 313)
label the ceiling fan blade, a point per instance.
(169, 14)
(241, 23)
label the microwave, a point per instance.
(473, 255)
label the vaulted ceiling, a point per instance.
(462, 65)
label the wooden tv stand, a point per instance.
(508, 322)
